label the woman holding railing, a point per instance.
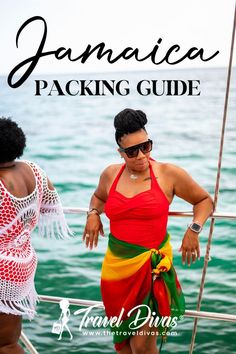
(138, 271)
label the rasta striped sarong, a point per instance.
(134, 275)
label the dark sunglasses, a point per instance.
(133, 151)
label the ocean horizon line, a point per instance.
(125, 71)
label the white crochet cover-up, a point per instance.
(18, 260)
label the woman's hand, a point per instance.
(190, 247)
(92, 229)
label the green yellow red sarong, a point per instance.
(134, 275)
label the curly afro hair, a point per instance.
(129, 121)
(12, 140)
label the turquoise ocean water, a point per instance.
(72, 138)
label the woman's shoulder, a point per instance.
(167, 168)
(111, 170)
(27, 167)
(34, 166)
(107, 177)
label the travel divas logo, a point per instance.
(102, 325)
(138, 320)
(174, 55)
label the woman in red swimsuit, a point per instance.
(139, 284)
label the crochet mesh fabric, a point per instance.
(18, 260)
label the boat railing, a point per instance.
(216, 215)
(99, 304)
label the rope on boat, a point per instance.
(207, 255)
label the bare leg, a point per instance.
(10, 330)
(145, 343)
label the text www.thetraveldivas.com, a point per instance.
(129, 333)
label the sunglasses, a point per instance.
(133, 151)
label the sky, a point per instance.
(75, 24)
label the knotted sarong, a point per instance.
(133, 275)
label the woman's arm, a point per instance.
(94, 225)
(186, 188)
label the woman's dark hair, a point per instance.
(12, 140)
(129, 121)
